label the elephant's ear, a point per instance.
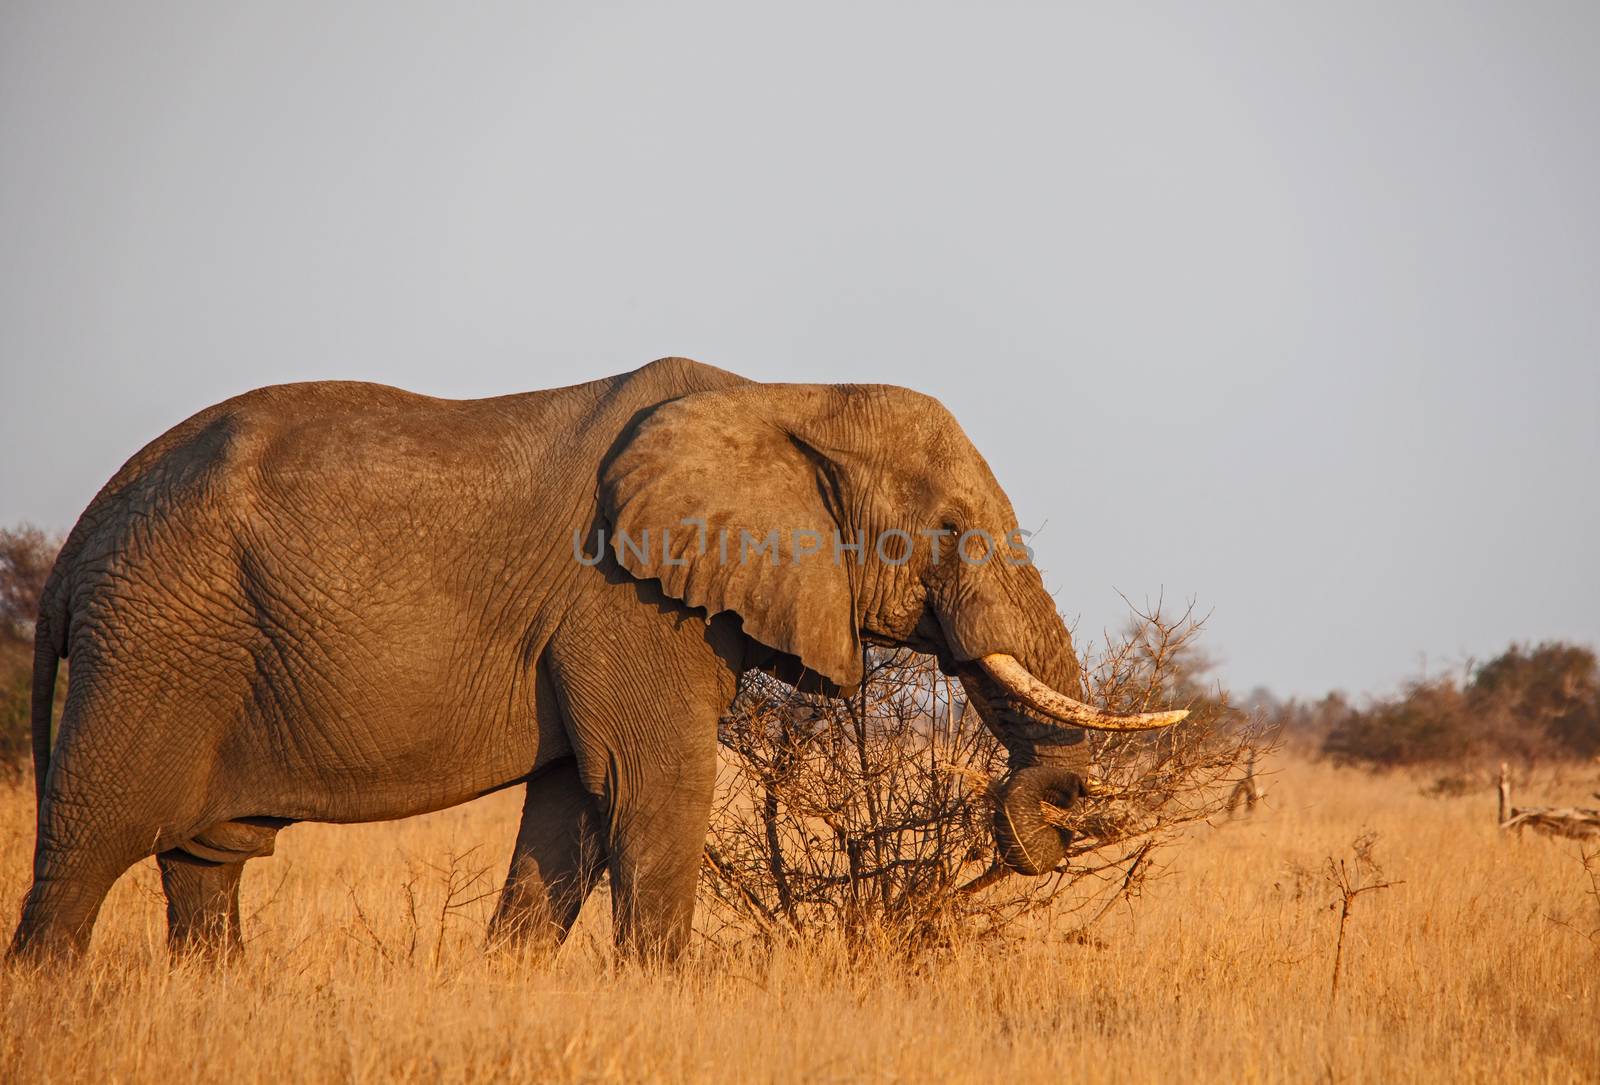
(735, 460)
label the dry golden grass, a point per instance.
(1221, 972)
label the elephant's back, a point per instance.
(322, 429)
(340, 479)
(184, 464)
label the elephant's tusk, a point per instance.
(1021, 684)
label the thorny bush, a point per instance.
(871, 815)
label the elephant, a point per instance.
(344, 602)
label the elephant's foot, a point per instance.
(41, 940)
(654, 938)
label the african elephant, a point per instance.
(344, 602)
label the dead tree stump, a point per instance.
(1576, 822)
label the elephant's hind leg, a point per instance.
(88, 836)
(559, 856)
(59, 912)
(201, 881)
(202, 905)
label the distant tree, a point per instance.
(1304, 726)
(26, 557)
(1261, 701)
(1553, 688)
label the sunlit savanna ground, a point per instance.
(1466, 970)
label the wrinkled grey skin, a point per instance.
(343, 602)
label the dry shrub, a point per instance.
(870, 816)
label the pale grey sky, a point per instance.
(1291, 308)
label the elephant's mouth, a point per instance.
(1024, 722)
(1009, 715)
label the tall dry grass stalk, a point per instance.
(1219, 972)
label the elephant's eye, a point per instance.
(950, 526)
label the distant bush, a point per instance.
(26, 556)
(1428, 721)
(1532, 703)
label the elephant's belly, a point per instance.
(376, 767)
(379, 792)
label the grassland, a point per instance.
(1475, 967)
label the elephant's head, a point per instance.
(824, 516)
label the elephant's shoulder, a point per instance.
(665, 378)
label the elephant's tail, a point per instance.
(46, 661)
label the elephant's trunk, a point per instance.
(1014, 657)
(1028, 843)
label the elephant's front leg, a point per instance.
(641, 685)
(559, 855)
(657, 834)
(646, 745)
